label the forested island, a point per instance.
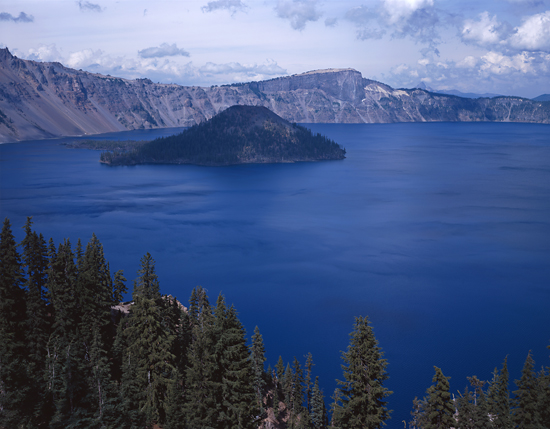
(238, 135)
(74, 355)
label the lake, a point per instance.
(439, 232)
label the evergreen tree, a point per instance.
(239, 403)
(439, 408)
(201, 405)
(299, 416)
(278, 383)
(257, 356)
(64, 349)
(318, 410)
(308, 381)
(147, 284)
(481, 412)
(526, 414)
(150, 361)
(35, 260)
(544, 397)
(499, 398)
(362, 402)
(13, 382)
(466, 411)
(175, 417)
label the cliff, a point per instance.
(43, 100)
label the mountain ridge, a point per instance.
(45, 100)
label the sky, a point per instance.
(481, 46)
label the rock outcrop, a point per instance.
(43, 100)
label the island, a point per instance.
(237, 135)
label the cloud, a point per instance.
(331, 22)
(47, 53)
(23, 17)
(417, 19)
(298, 12)
(533, 34)
(402, 10)
(366, 21)
(87, 6)
(231, 5)
(248, 71)
(487, 31)
(164, 50)
(167, 70)
(492, 72)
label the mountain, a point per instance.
(543, 97)
(238, 135)
(43, 100)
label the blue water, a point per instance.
(440, 233)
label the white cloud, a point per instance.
(241, 72)
(486, 31)
(416, 19)
(47, 53)
(298, 12)
(492, 72)
(331, 22)
(231, 5)
(164, 50)
(402, 10)
(533, 34)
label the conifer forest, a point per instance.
(75, 354)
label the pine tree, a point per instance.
(35, 260)
(299, 415)
(544, 396)
(466, 411)
(201, 379)
(148, 346)
(278, 383)
(318, 410)
(175, 416)
(362, 402)
(439, 408)
(239, 402)
(147, 284)
(13, 383)
(526, 414)
(64, 348)
(257, 356)
(481, 412)
(308, 381)
(499, 398)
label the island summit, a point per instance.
(238, 135)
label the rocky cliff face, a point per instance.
(43, 100)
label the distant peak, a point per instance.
(5, 54)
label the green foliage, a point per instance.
(257, 356)
(499, 398)
(318, 409)
(13, 386)
(361, 401)
(439, 407)
(70, 359)
(526, 414)
(238, 134)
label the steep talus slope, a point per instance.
(42, 100)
